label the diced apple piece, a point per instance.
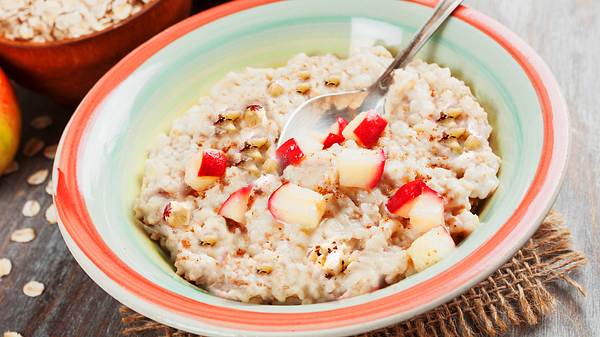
(332, 139)
(204, 169)
(177, 214)
(338, 127)
(360, 168)
(427, 212)
(289, 153)
(335, 133)
(418, 202)
(430, 248)
(236, 205)
(297, 205)
(366, 128)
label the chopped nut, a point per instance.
(456, 132)
(41, 122)
(11, 168)
(472, 142)
(332, 81)
(208, 240)
(454, 112)
(254, 154)
(303, 88)
(32, 147)
(228, 126)
(257, 142)
(275, 89)
(270, 166)
(453, 144)
(232, 115)
(31, 208)
(51, 215)
(50, 151)
(177, 214)
(448, 122)
(304, 75)
(5, 267)
(266, 269)
(38, 177)
(251, 168)
(23, 235)
(33, 288)
(252, 115)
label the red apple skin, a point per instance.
(167, 211)
(213, 164)
(10, 122)
(289, 153)
(332, 139)
(270, 201)
(341, 124)
(380, 170)
(370, 129)
(407, 193)
(243, 192)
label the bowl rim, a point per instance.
(98, 260)
(70, 41)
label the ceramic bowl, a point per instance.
(102, 151)
(65, 70)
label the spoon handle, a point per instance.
(442, 11)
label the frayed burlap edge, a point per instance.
(516, 294)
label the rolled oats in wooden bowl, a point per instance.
(53, 20)
(62, 47)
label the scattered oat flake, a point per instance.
(23, 235)
(50, 187)
(11, 334)
(5, 267)
(32, 147)
(41, 122)
(51, 215)
(33, 288)
(11, 168)
(38, 177)
(31, 208)
(50, 151)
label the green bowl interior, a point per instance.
(171, 81)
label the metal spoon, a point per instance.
(318, 113)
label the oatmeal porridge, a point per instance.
(382, 196)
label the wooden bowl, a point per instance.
(66, 69)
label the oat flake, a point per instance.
(11, 168)
(23, 235)
(50, 151)
(32, 147)
(11, 334)
(50, 187)
(51, 215)
(33, 289)
(45, 20)
(41, 122)
(38, 177)
(31, 208)
(5, 267)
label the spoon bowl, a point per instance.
(317, 114)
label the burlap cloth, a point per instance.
(516, 294)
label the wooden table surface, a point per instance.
(565, 32)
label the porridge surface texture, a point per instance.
(437, 132)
